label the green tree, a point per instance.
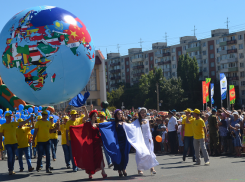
(114, 96)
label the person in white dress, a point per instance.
(139, 136)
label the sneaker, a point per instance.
(49, 171)
(54, 159)
(207, 163)
(110, 165)
(21, 170)
(197, 164)
(68, 167)
(11, 172)
(183, 158)
(31, 169)
(51, 168)
(75, 170)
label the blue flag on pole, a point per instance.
(223, 86)
(79, 100)
(212, 92)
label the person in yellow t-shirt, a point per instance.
(34, 147)
(63, 142)
(200, 136)
(187, 136)
(8, 130)
(22, 134)
(74, 122)
(53, 138)
(1, 150)
(43, 128)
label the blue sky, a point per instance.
(124, 22)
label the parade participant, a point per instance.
(22, 134)
(74, 121)
(139, 136)
(187, 136)
(213, 133)
(43, 128)
(172, 133)
(63, 142)
(86, 141)
(200, 136)
(53, 138)
(115, 142)
(8, 129)
(102, 117)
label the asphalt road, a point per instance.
(171, 168)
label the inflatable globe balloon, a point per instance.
(47, 55)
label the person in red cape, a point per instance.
(86, 146)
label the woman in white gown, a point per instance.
(139, 136)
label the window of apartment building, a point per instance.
(242, 74)
(241, 55)
(243, 92)
(211, 47)
(184, 47)
(242, 83)
(173, 74)
(123, 74)
(204, 44)
(217, 41)
(122, 60)
(173, 58)
(239, 37)
(127, 69)
(146, 62)
(179, 53)
(223, 57)
(212, 64)
(218, 59)
(146, 70)
(241, 65)
(173, 50)
(234, 83)
(156, 60)
(122, 67)
(240, 46)
(146, 55)
(217, 50)
(233, 37)
(231, 65)
(234, 74)
(151, 65)
(218, 67)
(126, 62)
(204, 52)
(204, 69)
(151, 58)
(233, 47)
(205, 61)
(211, 56)
(232, 55)
(212, 73)
(174, 65)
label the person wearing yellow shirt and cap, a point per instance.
(43, 128)
(200, 136)
(8, 130)
(34, 147)
(63, 142)
(74, 121)
(22, 134)
(187, 135)
(53, 138)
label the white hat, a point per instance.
(163, 127)
(237, 125)
(235, 113)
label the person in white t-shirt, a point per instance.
(172, 133)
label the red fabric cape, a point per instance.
(86, 147)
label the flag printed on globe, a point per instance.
(42, 42)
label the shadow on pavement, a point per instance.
(237, 161)
(177, 167)
(180, 162)
(7, 177)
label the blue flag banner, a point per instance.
(223, 86)
(79, 100)
(212, 92)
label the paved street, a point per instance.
(171, 168)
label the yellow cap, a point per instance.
(51, 117)
(20, 120)
(8, 114)
(66, 117)
(101, 113)
(73, 112)
(45, 112)
(187, 110)
(39, 117)
(83, 115)
(197, 111)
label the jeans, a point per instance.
(172, 139)
(26, 150)
(66, 154)
(72, 160)
(197, 144)
(34, 151)
(188, 142)
(108, 159)
(53, 143)
(43, 146)
(30, 147)
(11, 149)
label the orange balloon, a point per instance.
(158, 138)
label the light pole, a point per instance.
(157, 97)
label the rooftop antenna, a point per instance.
(166, 37)
(141, 42)
(227, 23)
(194, 30)
(118, 47)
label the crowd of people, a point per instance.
(190, 133)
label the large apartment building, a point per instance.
(223, 52)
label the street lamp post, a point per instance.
(157, 97)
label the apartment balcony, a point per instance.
(222, 52)
(138, 74)
(115, 64)
(198, 56)
(159, 55)
(166, 69)
(230, 60)
(193, 49)
(233, 78)
(137, 60)
(233, 69)
(231, 51)
(115, 71)
(138, 67)
(118, 78)
(166, 54)
(230, 42)
(160, 63)
(223, 43)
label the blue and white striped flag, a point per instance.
(223, 86)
